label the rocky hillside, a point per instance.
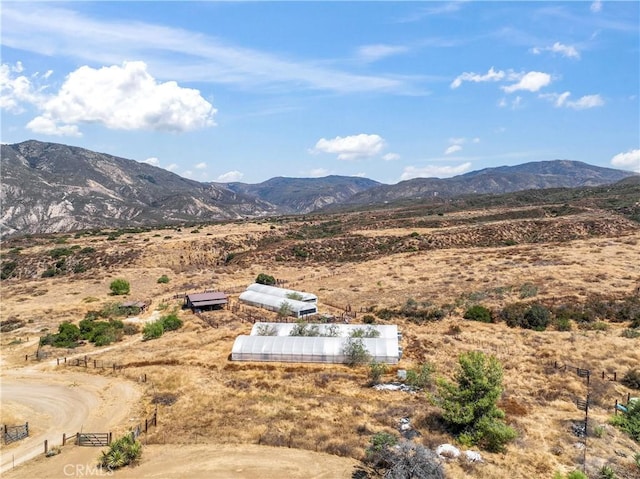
(303, 195)
(503, 179)
(48, 187)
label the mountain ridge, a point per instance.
(52, 187)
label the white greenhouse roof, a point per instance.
(342, 330)
(306, 349)
(281, 292)
(275, 302)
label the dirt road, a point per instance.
(61, 402)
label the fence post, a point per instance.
(146, 425)
(602, 374)
(94, 364)
(77, 438)
(616, 408)
(57, 361)
(26, 427)
(64, 438)
(114, 367)
(46, 446)
(615, 376)
(110, 437)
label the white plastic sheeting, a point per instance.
(282, 292)
(305, 349)
(274, 303)
(325, 329)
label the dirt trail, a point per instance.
(61, 402)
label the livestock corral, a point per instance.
(407, 269)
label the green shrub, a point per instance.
(630, 333)
(376, 371)
(528, 290)
(629, 422)
(152, 330)
(164, 279)
(355, 352)
(119, 287)
(563, 324)
(368, 319)
(478, 313)
(513, 314)
(8, 269)
(537, 317)
(420, 377)
(577, 475)
(67, 337)
(171, 322)
(263, 278)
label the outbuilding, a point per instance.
(283, 292)
(206, 301)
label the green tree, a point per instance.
(170, 322)
(470, 403)
(537, 317)
(265, 279)
(119, 286)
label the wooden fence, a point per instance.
(586, 373)
(15, 433)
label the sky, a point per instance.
(246, 91)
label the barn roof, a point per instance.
(205, 299)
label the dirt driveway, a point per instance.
(61, 402)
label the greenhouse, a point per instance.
(305, 349)
(383, 331)
(299, 309)
(283, 293)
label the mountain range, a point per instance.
(51, 187)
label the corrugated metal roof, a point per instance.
(209, 296)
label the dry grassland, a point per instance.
(207, 399)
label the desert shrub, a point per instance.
(528, 290)
(574, 312)
(513, 314)
(385, 314)
(302, 328)
(285, 310)
(152, 330)
(170, 322)
(164, 279)
(376, 371)
(122, 452)
(562, 324)
(631, 378)
(478, 313)
(355, 352)
(8, 269)
(606, 472)
(470, 404)
(119, 286)
(130, 329)
(67, 337)
(368, 332)
(537, 317)
(267, 330)
(630, 333)
(295, 296)
(48, 273)
(368, 319)
(421, 376)
(265, 279)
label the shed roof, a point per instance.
(202, 299)
(275, 301)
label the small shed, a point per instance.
(206, 301)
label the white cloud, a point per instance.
(176, 53)
(372, 53)
(630, 159)
(201, 166)
(596, 6)
(123, 97)
(431, 171)
(391, 157)
(452, 149)
(531, 81)
(564, 50)
(230, 176)
(46, 126)
(15, 90)
(172, 167)
(490, 76)
(583, 103)
(318, 172)
(351, 147)
(476, 140)
(153, 161)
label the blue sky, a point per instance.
(245, 91)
